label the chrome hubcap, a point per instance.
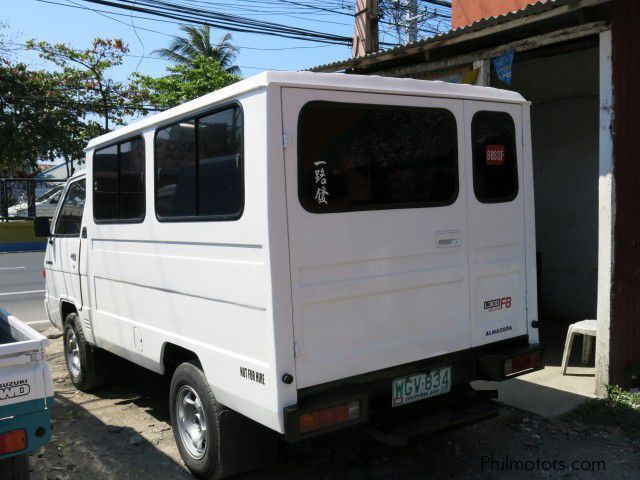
(192, 423)
(73, 353)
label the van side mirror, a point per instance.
(41, 227)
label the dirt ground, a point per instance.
(122, 432)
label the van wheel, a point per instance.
(194, 419)
(84, 361)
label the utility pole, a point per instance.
(411, 19)
(365, 35)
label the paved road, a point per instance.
(22, 287)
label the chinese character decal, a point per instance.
(321, 183)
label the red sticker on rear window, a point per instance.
(494, 155)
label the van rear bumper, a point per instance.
(372, 392)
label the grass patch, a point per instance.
(620, 409)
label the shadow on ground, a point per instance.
(85, 447)
(122, 432)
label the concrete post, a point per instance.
(606, 215)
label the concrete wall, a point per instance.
(465, 12)
(564, 117)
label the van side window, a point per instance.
(373, 157)
(105, 183)
(69, 219)
(198, 168)
(495, 165)
(219, 174)
(118, 183)
(175, 159)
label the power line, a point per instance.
(220, 20)
(138, 36)
(317, 8)
(105, 12)
(181, 12)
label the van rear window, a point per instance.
(495, 166)
(373, 157)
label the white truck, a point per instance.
(26, 395)
(304, 252)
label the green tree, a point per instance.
(49, 114)
(85, 80)
(183, 82)
(37, 121)
(197, 43)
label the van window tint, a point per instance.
(495, 166)
(131, 179)
(198, 168)
(105, 183)
(175, 158)
(219, 174)
(70, 217)
(118, 182)
(364, 157)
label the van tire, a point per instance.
(189, 375)
(15, 468)
(90, 373)
(230, 434)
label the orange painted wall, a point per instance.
(465, 12)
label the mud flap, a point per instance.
(245, 445)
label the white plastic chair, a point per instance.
(588, 328)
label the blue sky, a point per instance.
(76, 23)
(55, 23)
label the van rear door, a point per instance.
(377, 209)
(495, 195)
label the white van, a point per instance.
(305, 252)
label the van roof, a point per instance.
(325, 81)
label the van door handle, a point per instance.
(448, 239)
(49, 262)
(73, 257)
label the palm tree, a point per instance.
(197, 42)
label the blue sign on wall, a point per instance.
(503, 66)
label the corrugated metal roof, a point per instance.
(533, 9)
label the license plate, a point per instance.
(420, 386)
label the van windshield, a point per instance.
(49, 193)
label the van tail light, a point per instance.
(44, 274)
(510, 362)
(13, 441)
(328, 417)
(520, 363)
